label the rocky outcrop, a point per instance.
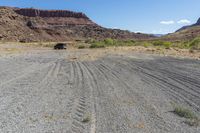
(52, 17)
(29, 12)
(27, 25)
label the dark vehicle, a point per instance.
(60, 46)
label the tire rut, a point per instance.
(154, 76)
(158, 121)
(80, 104)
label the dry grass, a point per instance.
(192, 119)
(93, 54)
(184, 112)
(87, 118)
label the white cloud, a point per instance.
(184, 21)
(167, 22)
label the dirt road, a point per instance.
(46, 92)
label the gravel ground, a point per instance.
(46, 92)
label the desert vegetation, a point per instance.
(108, 42)
(193, 44)
(184, 112)
(192, 119)
(86, 118)
(81, 46)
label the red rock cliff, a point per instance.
(29, 12)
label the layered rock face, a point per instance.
(55, 17)
(29, 24)
(29, 12)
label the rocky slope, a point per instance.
(29, 24)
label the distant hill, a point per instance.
(158, 35)
(189, 26)
(185, 33)
(28, 24)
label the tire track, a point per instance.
(176, 91)
(158, 121)
(30, 97)
(80, 104)
(93, 86)
(109, 116)
(109, 95)
(151, 75)
(182, 79)
(186, 96)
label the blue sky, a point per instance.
(148, 16)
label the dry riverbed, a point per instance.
(97, 91)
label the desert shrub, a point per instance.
(162, 43)
(158, 43)
(146, 44)
(81, 46)
(132, 41)
(86, 118)
(183, 112)
(114, 42)
(195, 44)
(167, 44)
(109, 41)
(97, 45)
(138, 43)
(181, 44)
(193, 120)
(128, 43)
